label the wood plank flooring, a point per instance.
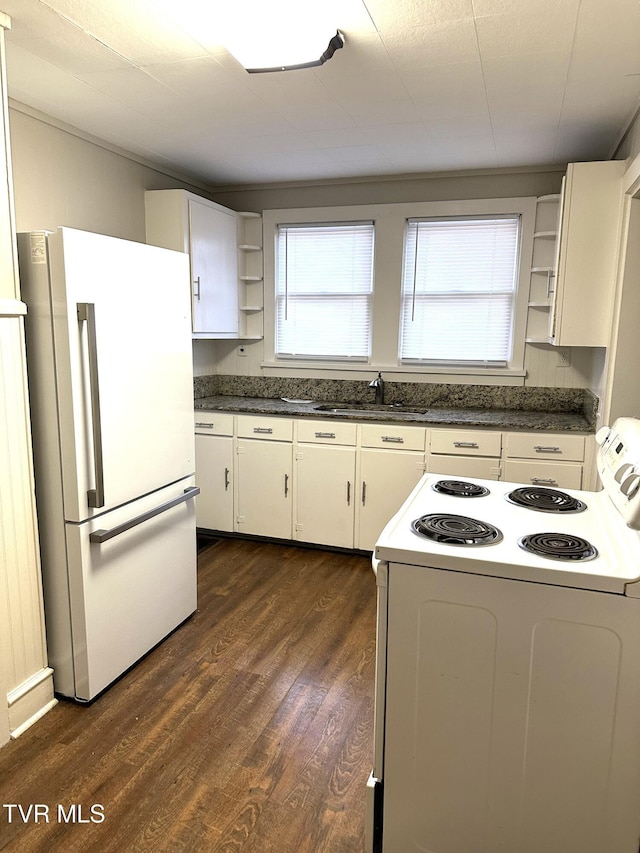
(249, 730)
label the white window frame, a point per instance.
(389, 235)
(416, 302)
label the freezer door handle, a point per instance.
(87, 314)
(100, 536)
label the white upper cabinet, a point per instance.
(585, 263)
(208, 232)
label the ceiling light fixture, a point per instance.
(280, 35)
(335, 43)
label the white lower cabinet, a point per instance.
(263, 476)
(214, 468)
(325, 494)
(263, 488)
(337, 483)
(553, 475)
(465, 453)
(548, 459)
(386, 479)
(214, 464)
(391, 461)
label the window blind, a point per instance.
(458, 290)
(324, 287)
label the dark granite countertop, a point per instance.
(431, 416)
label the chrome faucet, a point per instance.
(378, 384)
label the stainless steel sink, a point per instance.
(369, 408)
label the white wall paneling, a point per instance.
(26, 686)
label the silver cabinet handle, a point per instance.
(325, 435)
(550, 277)
(196, 288)
(286, 485)
(226, 479)
(465, 444)
(204, 426)
(539, 448)
(396, 439)
(87, 314)
(263, 430)
(547, 482)
(364, 492)
(100, 536)
(348, 493)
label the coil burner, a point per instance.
(460, 489)
(558, 546)
(456, 530)
(545, 500)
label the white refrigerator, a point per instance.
(109, 365)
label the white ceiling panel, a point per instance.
(418, 86)
(441, 43)
(511, 34)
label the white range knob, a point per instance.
(630, 484)
(622, 471)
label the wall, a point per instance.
(619, 383)
(62, 178)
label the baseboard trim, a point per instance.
(29, 701)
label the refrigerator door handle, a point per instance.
(100, 536)
(87, 314)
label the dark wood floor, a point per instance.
(249, 729)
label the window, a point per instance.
(459, 290)
(324, 288)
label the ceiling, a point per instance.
(420, 86)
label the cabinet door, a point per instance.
(587, 253)
(464, 466)
(263, 488)
(214, 268)
(386, 478)
(555, 475)
(325, 494)
(214, 475)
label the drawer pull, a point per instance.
(263, 430)
(226, 479)
(473, 444)
(286, 485)
(325, 435)
(348, 493)
(204, 426)
(395, 439)
(364, 493)
(539, 481)
(540, 448)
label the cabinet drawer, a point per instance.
(392, 436)
(545, 446)
(274, 429)
(466, 442)
(555, 475)
(486, 468)
(213, 423)
(326, 432)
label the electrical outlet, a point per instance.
(564, 357)
(242, 351)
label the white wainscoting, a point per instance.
(28, 683)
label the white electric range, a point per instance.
(508, 665)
